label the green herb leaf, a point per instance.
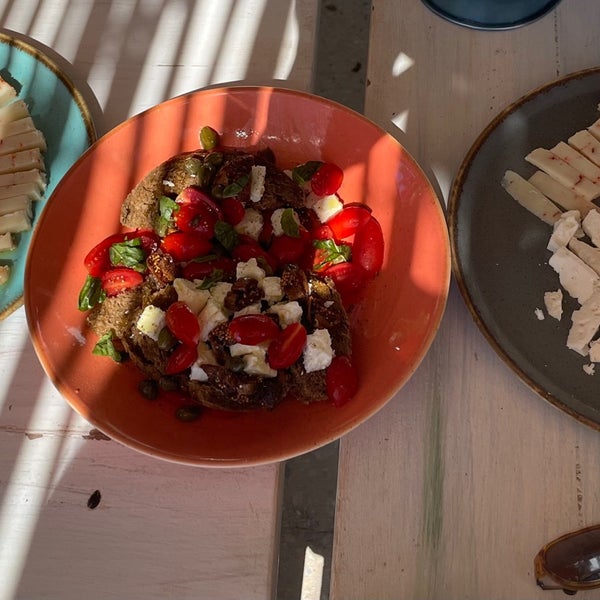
(106, 347)
(303, 173)
(91, 293)
(167, 207)
(289, 224)
(128, 254)
(333, 253)
(233, 189)
(208, 282)
(226, 235)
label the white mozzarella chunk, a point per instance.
(257, 182)
(591, 226)
(553, 302)
(250, 269)
(564, 229)
(586, 321)
(271, 287)
(317, 353)
(188, 292)
(251, 224)
(575, 276)
(277, 223)
(210, 316)
(152, 321)
(324, 206)
(218, 292)
(287, 312)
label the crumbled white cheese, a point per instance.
(241, 349)
(251, 224)
(564, 229)
(255, 363)
(271, 287)
(188, 292)
(589, 369)
(218, 292)
(197, 373)
(152, 321)
(287, 312)
(251, 309)
(205, 357)
(317, 353)
(539, 313)
(168, 183)
(249, 269)
(257, 182)
(586, 321)
(276, 220)
(553, 302)
(210, 316)
(324, 206)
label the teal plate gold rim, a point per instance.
(61, 113)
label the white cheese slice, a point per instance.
(586, 321)
(31, 190)
(587, 144)
(30, 176)
(529, 197)
(577, 160)
(251, 224)
(590, 255)
(287, 312)
(257, 182)
(553, 302)
(210, 316)
(15, 222)
(594, 129)
(560, 194)
(563, 172)
(22, 141)
(9, 205)
(16, 127)
(21, 161)
(152, 321)
(7, 243)
(7, 92)
(564, 230)
(317, 353)
(4, 274)
(577, 278)
(13, 111)
(591, 226)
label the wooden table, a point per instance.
(448, 492)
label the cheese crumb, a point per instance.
(210, 316)
(257, 182)
(250, 269)
(152, 321)
(589, 369)
(317, 353)
(553, 302)
(251, 224)
(539, 313)
(287, 312)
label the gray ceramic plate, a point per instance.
(499, 249)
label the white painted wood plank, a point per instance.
(451, 490)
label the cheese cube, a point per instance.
(255, 363)
(271, 287)
(249, 269)
(251, 224)
(324, 206)
(218, 292)
(287, 312)
(152, 321)
(188, 292)
(210, 316)
(317, 353)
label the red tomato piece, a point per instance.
(287, 347)
(186, 245)
(201, 270)
(368, 247)
(117, 280)
(195, 218)
(327, 180)
(288, 249)
(233, 210)
(182, 358)
(193, 196)
(349, 220)
(183, 323)
(253, 329)
(349, 279)
(322, 232)
(341, 380)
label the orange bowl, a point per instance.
(393, 326)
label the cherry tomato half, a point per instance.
(233, 210)
(193, 196)
(287, 347)
(253, 329)
(182, 358)
(327, 180)
(183, 323)
(368, 247)
(186, 245)
(117, 280)
(341, 380)
(288, 249)
(201, 270)
(195, 218)
(349, 220)
(349, 279)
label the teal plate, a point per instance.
(59, 111)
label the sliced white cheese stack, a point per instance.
(22, 170)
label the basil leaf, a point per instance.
(208, 282)
(106, 347)
(333, 253)
(128, 254)
(167, 207)
(233, 189)
(289, 224)
(303, 173)
(226, 235)
(91, 293)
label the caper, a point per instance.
(209, 138)
(217, 191)
(192, 166)
(188, 413)
(214, 158)
(149, 389)
(168, 384)
(205, 174)
(166, 340)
